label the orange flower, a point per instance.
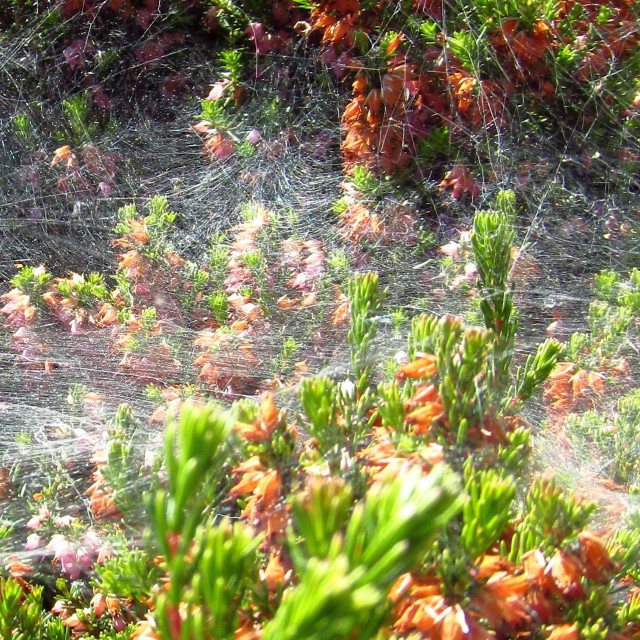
(61, 154)
(505, 585)
(268, 488)
(595, 557)
(265, 423)
(219, 146)
(513, 611)
(565, 571)
(274, 574)
(421, 368)
(432, 409)
(108, 314)
(462, 87)
(564, 632)
(454, 624)
(252, 472)
(145, 630)
(422, 615)
(585, 382)
(489, 565)
(461, 181)
(559, 385)
(534, 569)
(102, 503)
(138, 231)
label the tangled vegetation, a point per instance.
(259, 490)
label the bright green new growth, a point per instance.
(157, 224)
(492, 239)
(551, 517)
(365, 301)
(21, 614)
(616, 437)
(612, 321)
(345, 575)
(32, 280)
(77, 113)
(487, 511)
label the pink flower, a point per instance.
(72, 562)
(100, 98)
(119, 623)
(35, 522)
(105, 188)
(104, 552)
(74, 54)
(91, 541)
(149, 51)
(34, 541)
(263, 42)
(253, 136)
(217, 91)
(451, 249)
(143, 18)
(99, 604)
(64, 521)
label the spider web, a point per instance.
(578, 214)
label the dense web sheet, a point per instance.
(60, 386)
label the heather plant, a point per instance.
(614, 436)
(612, 323)
(226, 434)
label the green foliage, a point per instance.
(33, 281)
(365, 300)
(319, 398)
(217, 114)
(123, 471)
(21, 614)
(219, 306)
(159, 219)
(617, 438)
(232, 67)
(487, 512)
(491, 239)
(391, 409)
(25, 130)
(195, 450)
(625, 548)
(551, 517)
(234, 16)
(77, 113)
(435, 144)
(339, 265)
(537, 369)
(130, 574)
(528, 12)
(465, 46)
(514, 453)
(612, 321)
(461, 358)
(429, 30)
(157, 224)
(85, 291)
(343, 590)
(366, 182)
(223, 563)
